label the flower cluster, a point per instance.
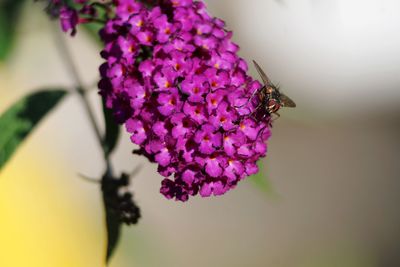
(173, 77)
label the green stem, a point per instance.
(80, 90)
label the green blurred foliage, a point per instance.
(261, 181)
(18, 121)
(10, 12)
(93, 31)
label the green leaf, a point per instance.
(261, 181)
(10, 11)
(93, 31)
(20, 119)
(113, 224)
(119, 208)
(112, 130)
(113, 232)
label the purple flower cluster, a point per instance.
(173, 77)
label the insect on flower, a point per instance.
(270, 98)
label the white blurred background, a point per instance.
(340, 56)
(333, 161)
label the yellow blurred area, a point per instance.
(46, 220)
(40, 224)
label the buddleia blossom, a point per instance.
(173, 77)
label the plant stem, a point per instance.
(80, 90)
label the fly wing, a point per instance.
(286, 101)
(262, 74)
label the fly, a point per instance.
(270, 97)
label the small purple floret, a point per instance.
(68, 19)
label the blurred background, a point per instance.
(333, 163)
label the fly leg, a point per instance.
(260, 133)
(254, 111)
(251, 97)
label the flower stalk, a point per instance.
(80, 90)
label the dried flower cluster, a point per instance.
(118, 200)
